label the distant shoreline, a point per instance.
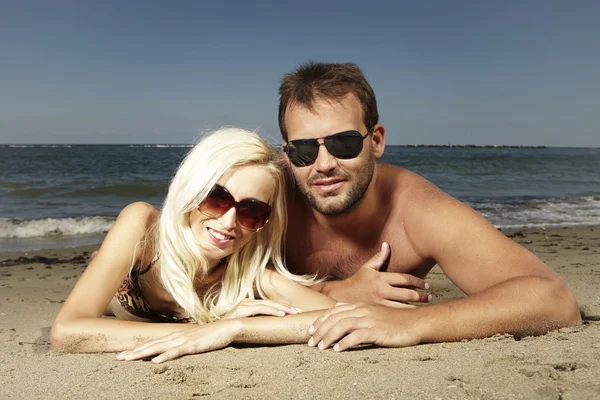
(458, 146)
(473, 146)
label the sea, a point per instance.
(69, 195)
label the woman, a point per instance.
(214, 246)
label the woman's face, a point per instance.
(221, 236)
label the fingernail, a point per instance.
(298, 310)
(429, 298)
(282, 313)
(426, 285)
(311, 341)
(311, 329)
(336, 347)
(119, 356)
(321, 345)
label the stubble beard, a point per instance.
(346, 203)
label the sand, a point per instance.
(563, 364)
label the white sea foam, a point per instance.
(578, 211)
(51, 227)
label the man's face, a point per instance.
(331, 185)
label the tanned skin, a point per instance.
(377, 247)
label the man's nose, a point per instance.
(325, 161)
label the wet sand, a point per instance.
(563, 364)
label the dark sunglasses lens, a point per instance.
(302, 152)
(253, 214)
(345, 144)
(218, 202)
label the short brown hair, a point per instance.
(332, 81)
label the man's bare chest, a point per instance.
(338, 259)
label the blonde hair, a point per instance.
(180, 257)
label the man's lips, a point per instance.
(327, 185)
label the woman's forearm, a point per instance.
(94, 335)
(276, 330)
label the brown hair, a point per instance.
(331, 81)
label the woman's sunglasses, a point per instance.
(251, 214)
(344, 145)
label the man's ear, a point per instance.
(378, 140)
(284, 156)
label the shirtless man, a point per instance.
(345, 207)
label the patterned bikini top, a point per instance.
(131, 298)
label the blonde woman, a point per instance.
(212, 256)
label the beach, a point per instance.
(563, 364)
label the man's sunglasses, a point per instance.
(344, 145)
(251, 214)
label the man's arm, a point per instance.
(508, 288)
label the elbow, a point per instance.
(572, 314)
(60, 336)
(565, 311)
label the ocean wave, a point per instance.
(53, 227)
(140, 190)
(540, 213)
(544, 225)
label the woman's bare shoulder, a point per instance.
(140, 211)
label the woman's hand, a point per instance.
(251, 307)
(200, 339)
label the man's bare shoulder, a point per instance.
(407, 188)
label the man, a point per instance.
(345, 207)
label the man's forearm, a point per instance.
(522, 305)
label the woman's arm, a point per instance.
(286, 291)
(217, 335)
(260, 330)
(78, 326)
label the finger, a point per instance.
(333, 310)
(282, 307)
(380, 258)
(397, 304)
(150, 351)
(326, 322)
(192, 347)
(173, 336)
(170, 354)
(355, 338)
(405, 280)
(338, 331)
(403, 294)
(264, 309)
(252, 304)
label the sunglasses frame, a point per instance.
(236, 204)
(286, 148)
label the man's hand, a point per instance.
(348, 325)
(368, 285)
(200, 339)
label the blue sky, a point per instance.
(481, 72)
